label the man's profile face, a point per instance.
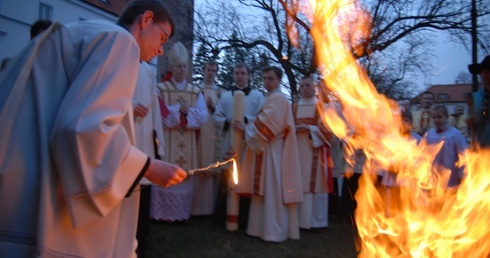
(152, 36)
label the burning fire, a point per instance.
(235, 172)
(429, 220)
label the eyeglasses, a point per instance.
(167, 36)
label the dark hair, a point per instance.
(242, 65)
(442, 109)
(275, 69)
(430, 93)
(307, 77)
(39, 26)
(137, 7)
(211, 62)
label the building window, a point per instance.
(443, 96)
(45, 12)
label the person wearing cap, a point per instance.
(69, 169)
(479, 119)
(187, 113)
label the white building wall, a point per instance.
(16, 17)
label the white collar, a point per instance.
(209, 86)
(179, 85)
(311, 100)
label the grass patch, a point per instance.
(202, 237)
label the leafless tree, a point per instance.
(394, 47)
(463, 78)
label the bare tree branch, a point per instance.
(401, 25)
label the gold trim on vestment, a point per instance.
(263, 129)
(305, 120)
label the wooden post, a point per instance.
(471, 117)
(474, 43)
(233, 200)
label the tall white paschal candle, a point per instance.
(233, 201)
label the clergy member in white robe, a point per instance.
(148, 134)
(145, 123)
(206, 183)
(223, 116)
(223, 113)
(270, 170)
(68, 168)
(313, 144)
(187, 113)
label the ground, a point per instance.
(202, 237)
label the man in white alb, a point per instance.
(69, 172)
(313, 145)
(206, 183)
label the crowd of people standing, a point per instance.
(87, 164)
(286, 143)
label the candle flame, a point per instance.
(235, 172)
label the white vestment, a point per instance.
(67, 159)
(224, 111)
(146, 94)
(448, 162)
(312, 145)
(206, 184)
(174, 203)
(270, 171)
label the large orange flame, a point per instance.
(423, 218)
